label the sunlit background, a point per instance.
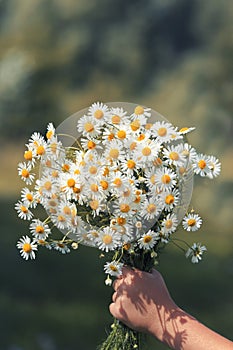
(57, 57)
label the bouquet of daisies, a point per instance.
(117, 177)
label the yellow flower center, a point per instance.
(104, 184)
(111, 137)
(202, 164)
(94, 204)
(48, 185)
(121, 221)
(49, 134)
(107, 239)
(174, 156)
(61, 218)
(114, 153)
(182, 170)
(24, 209)
(91, 144)
(65, 167)
(139, 110)
(93, 170)
(70, 182)
(106, 171)
(168, 223)
(53, 147)
(113, 268)
(39, 229)
(29, 197)
(116, 119)
(94, 187)
(169, 199)
(133, 146)
(98, 114)
(141, 137)
(67, 210)
(124, 208)
(147, 239)
(28, 155)
(166, 179)
(40, 150)
(117, 182)
(148, 126)
(135, 125)
(27, 248)
(191, 222)
(146, 151)
(89, 127)
(151, 208)
(152, 179)
(131, 164)
(183, 129)
(162, 132)
(121, 134)
(137, 199)
(25, 173)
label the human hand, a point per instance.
(142, 301)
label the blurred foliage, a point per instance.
(57, 57)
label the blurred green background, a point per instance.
(58, 57)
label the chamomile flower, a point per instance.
(165, 178)
(27, 247)
(50, 131)
(169, 223)
(123, 207)
(151, 209)
(192, 222)
(113, 268)
(108, 239)
(54, 150)
(24, 171)
(99, 111)
(188, 152)
(29, 198)
(163, 131)
(119, 182)
(186, 130)
(90, 143)
(30, 156)
(123, 132)
(201, 165)
(61, 247)
(23, 211)
(39, 229)
(174, 155)
(148, 240)
(129, 165)
(142, 113)
(170, 199)
(118, 116)
(214, 167)
(195, 252)
(89, 126)
(38, 143)
(114, 150)
(147, 151)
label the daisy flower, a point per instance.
(141, 113)
(170, 199)
(151, 209)
(114, 150)
(99, 112)
(39, 229)
(29, 198)
(89, 126)
(192, 222)
(165, 178)
(147, 151)
(54, 150)
(123, 207)
(148, 240)
(47, 186)
(24, 170)
(61, 247)
(119, 182)
(214, 167)
(163, 131)
(108, 239)
(195, 252)
(38, 143)
(50, 131)
(91, 144)
(113, 268)
(68, 182)
(27, 247)
(169, 223)
(128, 165)
(188, 152)
(186, 130)
(201, 165)
(118, 115)
(30, 156)
(123, 132)
(174, 155)
(23, 211)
